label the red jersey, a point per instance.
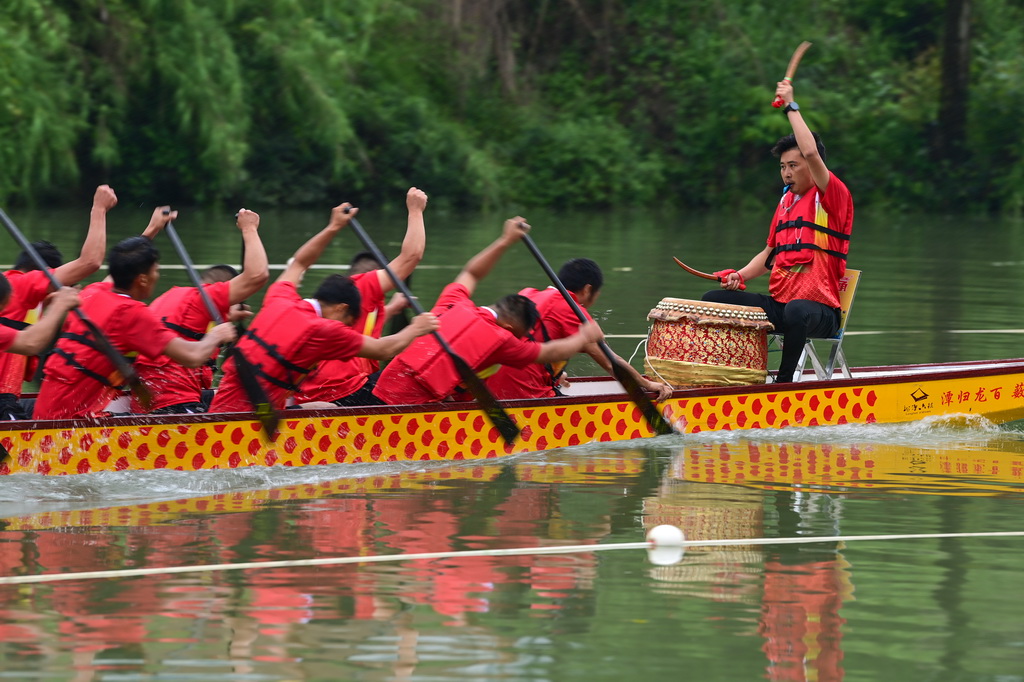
(181, 309)
(557, 321)
(299, 338)
(80, 380)
(28, 289)
(335, 379)
(7, 336)
(424, 373)
(814, 274)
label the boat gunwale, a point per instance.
(887, 374)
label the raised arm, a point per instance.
(94, 248)
(481, 264)
(158, 221)
(804, 138)
(255, 268)
(34, 339)
(310, 252)
(413, 245)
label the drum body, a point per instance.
(701, 343)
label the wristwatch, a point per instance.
(792, 106)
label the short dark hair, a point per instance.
(789, 142)
(340, 289)
(518, 308)
(130, 258)
(364, 261)
(219, 273)
(5, 290)
(579, 272)
(50, 254)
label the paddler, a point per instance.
(485, 337)
(808, 240)
(178, 389)
(30, 286)
(583, 279)
(80, 379)
(290, 335)
(343, 382)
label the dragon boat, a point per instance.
(594, 410)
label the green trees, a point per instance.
(557, 102)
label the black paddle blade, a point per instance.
(499, 418)
(648, 409)
(265, 412)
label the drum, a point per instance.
(701, 343)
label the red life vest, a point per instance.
(801, 228)
(273, 338)
(469, 333)
(28, 289)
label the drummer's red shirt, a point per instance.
(817, 280)
(129, 325)
(535, 381)
(335, 379)
(28, 289)
(169, 382)
(399, 384)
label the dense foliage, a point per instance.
(548, 102)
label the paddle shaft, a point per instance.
(104, 345)
(268, 417)
(622, 375)
(499, 418)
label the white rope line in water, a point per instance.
(560, 549)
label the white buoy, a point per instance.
(666, 536)
(667, 545)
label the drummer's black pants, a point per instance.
(797, 321)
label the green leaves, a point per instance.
(304, 101)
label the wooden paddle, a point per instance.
(655, 419)
(265, 412)
(794, 62)
(103, 344)
(488, 403)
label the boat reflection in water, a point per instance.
(718, 490)
(402, 618)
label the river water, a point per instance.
(924, 608)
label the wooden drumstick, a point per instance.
(794, 62)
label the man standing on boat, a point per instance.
(342, 382)
(807, 245)
(583, 279)
(80, 379)
(29, 286)
(290, 335)
(179, 389)
(485, 337)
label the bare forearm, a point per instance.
(561, 349)
(756, 267)
(387, 347)
(413, 247)
(481, 264)
(34, 339)
(191, 353)
(255, 268)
